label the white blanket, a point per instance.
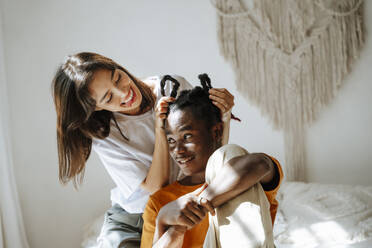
(320, 215)
(310, 215)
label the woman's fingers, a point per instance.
(167, 99)
(163, 116)
(227, 101)
(163, 105)
(162, 109)
(222, 107)
(220, 92)
(222, 98)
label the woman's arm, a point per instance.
(226, 118)
(223, 100)
(159, 171)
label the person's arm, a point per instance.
(182, 212)
(159, 171)
(226, 118)
(171, 238)
(223, 100)
(236, 176)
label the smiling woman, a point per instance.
(100, 105)
(115, 91)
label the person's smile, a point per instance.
(130, 98)
(184, 160)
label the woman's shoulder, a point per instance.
(151, 81)
(155, 80)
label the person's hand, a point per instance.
(161, 111)
(184, 211)
(223, 99)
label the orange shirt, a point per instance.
(271, 194)
(194, 237)
(167, 194)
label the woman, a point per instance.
(99, 104)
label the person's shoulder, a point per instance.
(152, 82)
(164, 195)
(229, 151)
(152, 79)
(164, 191)
(108, 141)
(157, 78)
(229, 147)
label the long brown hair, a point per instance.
(77, 120)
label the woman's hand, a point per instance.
(161, 111)
(184, 211)
(223, 99)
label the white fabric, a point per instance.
(310, 215)
(323, 215)
(128, 162)
(245, 220)
(12, 233)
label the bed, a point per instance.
(309, 215)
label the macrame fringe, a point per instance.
(290, 57)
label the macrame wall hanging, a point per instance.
(290, 57)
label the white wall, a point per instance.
(147, 37)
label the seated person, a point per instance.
(237, 188)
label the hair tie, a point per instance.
(205, 82)
(175, 85)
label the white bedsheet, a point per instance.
(318, 215)
(310, 216)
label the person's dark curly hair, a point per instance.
(198, 102)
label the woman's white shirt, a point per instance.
(128, 162)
